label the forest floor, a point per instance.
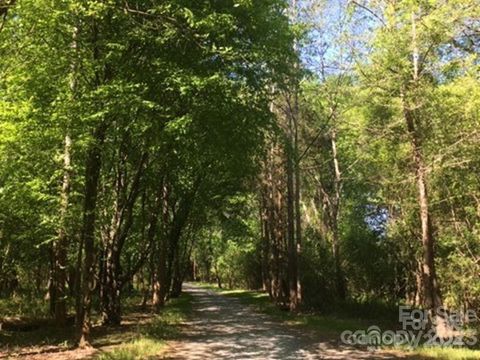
(225, 327)
(143, 334)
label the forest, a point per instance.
(324, 153)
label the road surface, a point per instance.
(224, 328)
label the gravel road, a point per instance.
(224, 328)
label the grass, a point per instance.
(142, 348)
(446, 353)
(141, 335)
(333, 326)
(19, 306)
(15, 341)
(149, 340)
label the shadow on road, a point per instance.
(224, 328)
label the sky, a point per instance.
(337, 36)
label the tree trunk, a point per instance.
(175, 231)
(277, 235)
(78, 284)
(163, 276)
(177, 278)
(297, 191)
(430, 291)
(265, 244)
(160, 279)
(120, 226)
(51, 294)
(335, 210)
(62, 241)
(293, 185)
(291, 243)
(92, 175)
(111, 311)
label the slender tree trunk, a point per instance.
(297, 190)
(335, 210)
(61, 245)
(277, 234)
(291, 244)
(111, 296)
(119, 229)
(430, 294)
(418, 299)
(291, 248)
(194, 270)
(177, 277)
(51, 294)
(175, 231)
(293, 172)
(265, 244)
(156, 298)
(158, 254)
(298, 231)
(163, 278)
(430, 291)
(78, 284)
(92, 175)
(159, 286)
(162, 283)
(62, 241)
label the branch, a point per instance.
(4, 6)
(369, 11)
(317, 135)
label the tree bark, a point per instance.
(121, 224)
(297, 191)
(430, 292)
(92, 175)
(335, 209)
(291, 243)
(265, 244)
(61, 245)
(62, 241)
(78, 284)
(51, 294)
(158, 255)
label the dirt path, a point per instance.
(224, 328)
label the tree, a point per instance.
(403, 68)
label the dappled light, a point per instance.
(223, 327)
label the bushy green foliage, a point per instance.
(228, 252)
(183, 85)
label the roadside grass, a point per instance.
(332, 326)
(445, 353)
(149, 340)
(141, 348)
(143, 333)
